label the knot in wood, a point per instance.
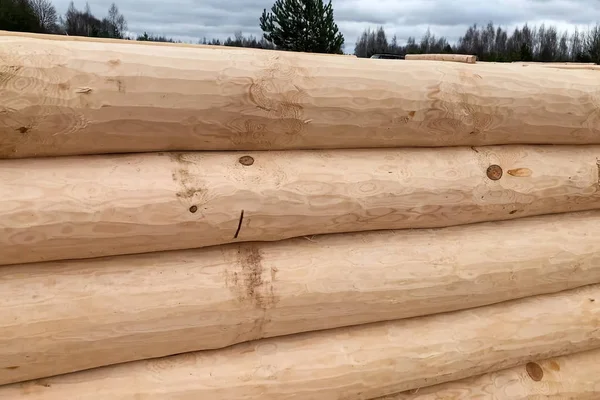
(534, 371)
(246, 160)
(494, 172)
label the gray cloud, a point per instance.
(190, 20)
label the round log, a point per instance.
(93, 206)
(574, 376)
(67, 316)
(360, 362)
(61, 95)
(464, 58)
(82, 207)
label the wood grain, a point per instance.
(359, 362)
(574, 376)
(70, 96)
(561, 65)
(72, 315)
(92, 206)
(463, 58)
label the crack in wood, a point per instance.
(237, 232)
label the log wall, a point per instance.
(360, 362)
(66, 316)
(293, 225)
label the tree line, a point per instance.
(292, 25)
(238, 40)
(308, 25)
(281, 30)
(490, 43)
(40, 16)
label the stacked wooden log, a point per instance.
(188, 222)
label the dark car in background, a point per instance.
(388, 56)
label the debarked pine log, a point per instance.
(575, 376)
(65, 96)
(359, 362)
(560, 65)
(92, 206)
(464, 58)
(71, 315)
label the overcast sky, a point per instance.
(190, 20)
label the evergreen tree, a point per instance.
(155, 38)
(18, 15)
(302, 25)
(563, 47)
(381, 42)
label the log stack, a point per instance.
(187, 222)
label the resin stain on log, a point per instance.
(183, 177)
(188, 187)
(120, 85)
(249, 281)
(520, 172)
(250, 259)
(186, 192)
